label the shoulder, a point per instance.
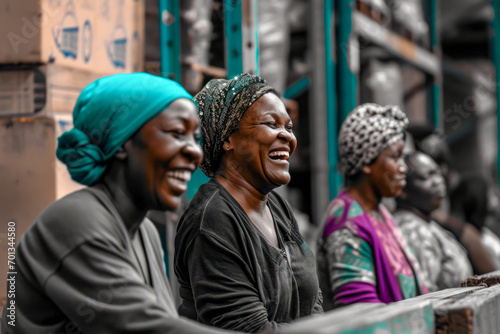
(343, 212)
(344, 207)
(65, 225)
(210, 205)
(416, 231)
(441, 233)
(76, 217)
(213, 213)
(405, 219)
(78, 207)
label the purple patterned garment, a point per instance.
(362, 257)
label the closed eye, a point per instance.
(176, 133)
(270, 124)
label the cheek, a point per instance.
(293, 144)
(423, 187)
(392, 167)
(249, 152)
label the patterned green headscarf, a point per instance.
(107, 113)
(222, 103)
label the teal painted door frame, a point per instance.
(347, 80)
(241, 36)
(170, 39)
(434, 111)
(334, 179)
(495, 58)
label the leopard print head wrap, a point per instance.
(221, 104)
(367, 131)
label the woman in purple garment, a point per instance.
(362, 256)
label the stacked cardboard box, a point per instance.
(50, 51)
(97, 36)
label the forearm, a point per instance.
(356, 292)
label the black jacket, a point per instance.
(230, 276)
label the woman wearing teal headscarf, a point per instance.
(92, 262)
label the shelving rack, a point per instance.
(334, 79)
(242, 52)
(323, 109)
(495, 57)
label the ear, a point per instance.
(367, 169)
(227, 146)
(122, 153)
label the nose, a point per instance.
(193, 151)
(402, 168)
(437, 180)
(287, 136)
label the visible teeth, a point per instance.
(182, 175)
(283, 154)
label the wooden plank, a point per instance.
(476, 313)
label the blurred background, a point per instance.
(436, 59)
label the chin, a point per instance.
(282, 181)
(393, 192)
(168, 204)
(435, 205)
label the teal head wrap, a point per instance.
(107, 113)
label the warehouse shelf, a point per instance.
(397, 45)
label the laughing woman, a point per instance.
(92, 261)
(362, 256)
(240, 259)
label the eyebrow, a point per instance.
(275, 114)
(394, 148)
(171, 118)
(271, 113)
(177, 118)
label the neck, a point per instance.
(122, 199)
(250, 199)
(366, 196)
(421, 213)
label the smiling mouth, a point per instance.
(399, 178)
(180, 175)
(279, 155)
(178, 179)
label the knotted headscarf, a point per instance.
(222, 103)
(107, 113)
(367, 131)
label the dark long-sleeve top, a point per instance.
(230, 276)
(78, 270)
